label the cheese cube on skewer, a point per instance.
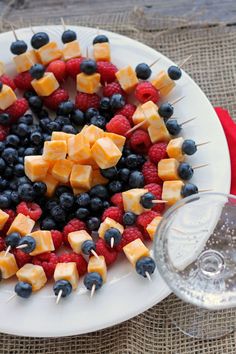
(163, 83)
(3, 218)
(7, 97)
(135, 250)
(117, 139)
(8, 265)
(44, 242)
(71, 50)
(127, 78)
(67, 271)
(24, 61)
(101, 51)
(152, 227)
(35, 167)
(168, 169)
(46, 85)
(98, 265)
(81, 176)
(22, 224)
(77, 238)
(88, 83)
(171, 191)
(174, 149)
(49, 52)
(131, 200)
(139, 117)
(105, 153)
(107, 224)
(32, 274)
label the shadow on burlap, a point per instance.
(213, 68)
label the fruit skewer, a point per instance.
(97, 274)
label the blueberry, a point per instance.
(136, 179)
(21, 152)
(166, 110)
(185, 171)
(143, 71)
(23, 180)
(88, 246)
(62, 120)
(37, 71)
(147, 200)
(58, 214)
(10, 155)
(30, 151)
(82, 200)
(15, 197)
(91, 112)
(133, 161)
(12, 140)
(23, 289)
(106, 204)
(40, 188)
(64, 286)
(69, 129)
(22, 130)
(7, 193)
(174, 72)
(26, 119)
(145, 265)
(91, 279)
(46, 137)
(18, 47)
(2, 146)
(43, 123)
(29, 242)
(2, 165)
(173, 126)
(109, 173)
(26, 192)
(93, 223)
(19, 170)
(3, 183)
(115, 187)
(13, 239)
(48, 224)
(189, 147)
(65, 108)
(28, 94)
(68, 36)
(66, 200)
(99, 191)
(50, 204)
(88, 66)
(105, 104)
(42, 114)
(36, 138)
(99, 121)
(123, 174)
(189, 189)
(5, 201)
(82, 213)
(78, 117)
(100, 38)
(62, 189)
(112, 235)
(8, 172)
(126, 151)
(117, 101)
(39, 39)
(96, 204)
(5, 119)
(25, 142)
(129, 218)
(54, 125)
(36, 103)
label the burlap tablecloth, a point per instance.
(213, 68)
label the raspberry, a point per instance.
(149, 171)
(145, 91)
(128, 111)
(7, 80)
(119, 125)
(83, 101)
(48, 261)
(73, 66)
(58, 68)
(32, 210)
(12, 215)
(57, 238)
(3, 132)
(109, 254)
(114, 213)
(21, 257)
(140, 141)
(107, 71)
(77, 258)
(157, 152)
(156, 189)
(73, 225)
(17, 109)
(130, 234)
(2, 244)
(143, 220)
(111, 89)
(52, 101)
(23, 81)
(117, 200)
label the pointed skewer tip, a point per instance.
(7, 251)
(11, 297)
(148, 276)
(93, 290)
(112, 242)
(58, 297)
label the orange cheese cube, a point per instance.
(105, 153)
(62, 170)
(77, 191)
(35, 167)
(117, 139)
(67, 271)
(152, 227)
(7, 97)
(107, 224)
(163, 83)
(32, 274)
(61, 136)
(127, 78)
(77, 238)
(150, 111)
(168, 169)
(79, 149)
(139, 117)
(51, 184)
(102, 52)
(81, 176)
(51, 165)
(135, 250)
(49, 52)
(8, 265)
(88, 83)
(22, 224)
(97, 178)
(171, 191)
(98, 265)
(2, 68)
(158, 133)
(92, 133)
(131, 200)
(46, 85)
(3, 218)
(54, 150)
(44, 242)
(24, 61)
(174, 149)
(71, 50)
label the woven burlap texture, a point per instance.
(213, 68)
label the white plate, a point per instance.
(125, 294)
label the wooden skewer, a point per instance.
(155, 61)
(14, 32)
(7, 251)
(200, 166)
(185, 61)
(112, 242)
(93, 290)
(32, 29)
(201, 144)
(177, 100)
(187, 121)
(136, 126)
(159, 201)
(58, 297)
(98, 31)
(63, 23)
(148, 276)
(11, 297)
(205, 190)
(87, 53)
(95, 254)
(22, 246)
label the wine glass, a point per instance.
(195, 252)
